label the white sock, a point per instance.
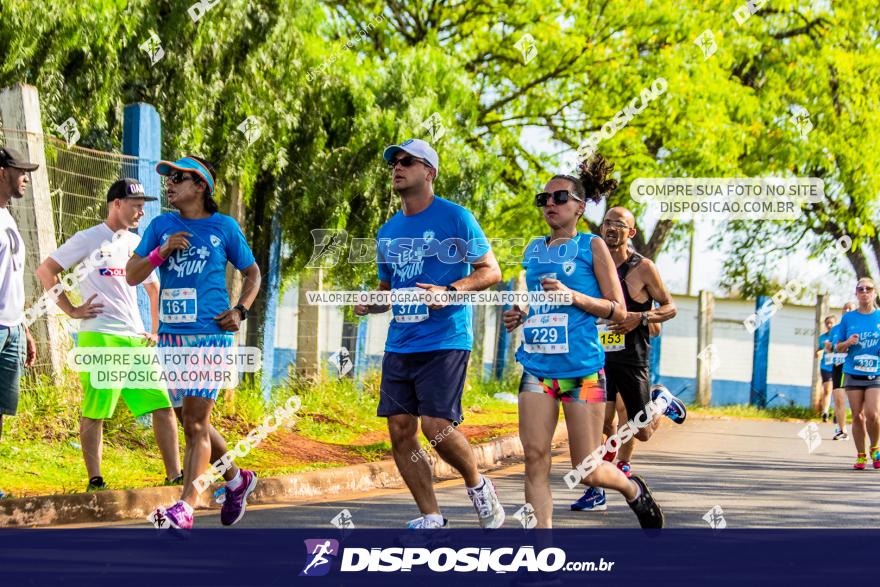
(638, 491)
(188, 508)
(434, 518)
(480, 485)
(235, 482)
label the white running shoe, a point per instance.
(489, 508)
(424, 523)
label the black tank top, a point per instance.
(637, 349)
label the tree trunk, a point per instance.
(260, 236)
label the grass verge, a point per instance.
(336, 426)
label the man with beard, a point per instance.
(627, 346)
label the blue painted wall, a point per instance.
(726, 392)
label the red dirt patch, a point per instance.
(295, 448)
(476, 433)
(371, 438)
(473, 432)
(304, 450)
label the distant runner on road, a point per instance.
(859, 337)
(837, 390)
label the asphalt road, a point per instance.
(760, 473)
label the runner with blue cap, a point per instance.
(191, 248)
(429, 346)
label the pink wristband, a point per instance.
(155, 258)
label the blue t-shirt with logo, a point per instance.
(193, 281)
(435, 247)
(863, 358)
(561, 341)
(828, 357)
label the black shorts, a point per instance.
(826, 375)
(837, 377)
(423, 384)
(632, 382)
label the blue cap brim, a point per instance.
(392, 151)
(186, 164)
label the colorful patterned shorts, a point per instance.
(589, 389)
(198, 341)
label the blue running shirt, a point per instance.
(828, 358)
(862, 358)
(435, 247)
(561, 341)
(193, 281)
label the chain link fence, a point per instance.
(78, 182)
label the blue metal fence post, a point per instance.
(142, 138)
(758, 394)
(655, 358)
(273, 283)
(360, 349)
(503, 336)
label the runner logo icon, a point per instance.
(320, 553)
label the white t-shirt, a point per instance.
(11, 271)
(120, 314)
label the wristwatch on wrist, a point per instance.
(644, 320)
(242, 311)
(451, 288)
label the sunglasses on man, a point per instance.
(615, 224)
(406, 161)
(559, 197)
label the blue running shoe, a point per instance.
(593, 500)
(675, 408)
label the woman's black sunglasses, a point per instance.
(559, 197)
(180, 177)
(406, 161)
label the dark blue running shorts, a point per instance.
(423, 384)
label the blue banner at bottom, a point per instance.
(253, 557)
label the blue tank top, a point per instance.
(561, 341)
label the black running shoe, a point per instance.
(96, 484)
(645, 508)
(178, 480)
(824, 417)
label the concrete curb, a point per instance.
(134, 504)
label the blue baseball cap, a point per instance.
(187, 164)
(416, 148)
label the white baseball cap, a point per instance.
(416, 148)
